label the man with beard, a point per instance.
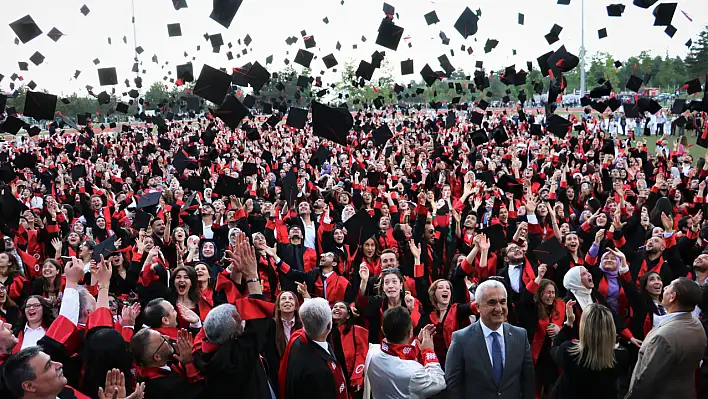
(659, 255)
(296, 255)
(517, 273)
(307, 224)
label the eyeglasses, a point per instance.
(389, 270)
(33, 306)
(164, 341)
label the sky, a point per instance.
(270, 22)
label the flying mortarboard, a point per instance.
(107, 76)
(232, 112)
(37, 58)
(174, 30)
(389, 35)
(297, 117)
(559, 125)
(304, 58)
(329, 61)
(602, 33)
(360, 228)
(615, 10)
(549, 252)
(26, 29)
(664, 13)
(693, 86)
(644, 3)
(212, 84)
(224, 11)
(670, 31)
(40, 105)
(467, 23)
(431, 18)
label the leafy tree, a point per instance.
(697, 60)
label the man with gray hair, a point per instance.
(490, 358)
(309, 368)
(236, 348)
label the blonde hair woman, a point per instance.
(591, 366)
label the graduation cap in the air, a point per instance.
(360, 228)
(330, 123)
(329, 61)
(212, 84)
(693, 86)
(679, 106)
(389, 35)
(381, 135)
(479, 137)
(174, 30)
(228, 186)
(559, 125)
(664, 13)
(107, 76)
(224, 11)
(232, 112)
(37, 58)
(10, 211)
(634, 83)
(25, 160)
(297, 117)
(140, 221)
(77, 172)
(40, 105)
(304, 58)
(497, 237)
(615, 10)
(508, 184)
(26, 29)
(549, 252)
(467, 23)
(431, 18)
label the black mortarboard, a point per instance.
(141, 220)
(679, 106)
(257, 76)
(103, 98)
(224, 11)
(289, 191)
(407, 67)
(615, 10)
(479, 137)
(253, 134)
(55, 34)
(602, 33)
(634, 83)
(107, 248)
(25, 160)
(644, 3)
(476, 117)
(23, 66)
(559, 125)
(329, 123)
(549, 252)
(365, 70)
(304, 58)
(614, 104)
(670, 30)
(467, 23)
(26, 29)
(360, 228)
(431, 18)
(12, 125)
(122, 108)
(381, 135)
(389, 35)
(249, 169)
(693, 86)
(7, 173)
(329, 61)
(10, 211)
(508, 184)
(664, 13)
(562, 60)
(107, 76)
(297, 117)
(174, 30)
(483, 104)
(85, 10)
(37, 58)
(490, 45)
(543, 64)
(185, 72)
(497, 237)
(499, 135)
(212, 84)
(40, 105)
(232, 112)
(309, 41)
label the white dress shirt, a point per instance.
(323, 345)
(325, 276)
(207, 232)
(389, 377)
(310, 235)
(69, 309)
(488, 340)
(515, 277)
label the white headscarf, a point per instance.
(572, 283)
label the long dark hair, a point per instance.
(55, 285)
(47, 314)
(336, 339)
(105, 350)
(543, 310)
(643, 285)
(193, 293)
(280, 343)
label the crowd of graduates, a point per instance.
(170, 260)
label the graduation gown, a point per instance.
(307, 371)
(247, 364)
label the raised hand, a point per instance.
(569, 312)
(188, 314)
(115, 387)
(183, 347)
(364, 272)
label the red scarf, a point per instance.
(401, 351)
(645, 268)
(557, 317)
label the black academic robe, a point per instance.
(168, 384)
(238, 365)
(308, 372)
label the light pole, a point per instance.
(582, 48)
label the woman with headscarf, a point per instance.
(209, 254)
(580, 287)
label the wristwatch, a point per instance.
(253, 280)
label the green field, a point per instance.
(693, 149)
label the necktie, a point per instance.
(661, 309)
(497, 359)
